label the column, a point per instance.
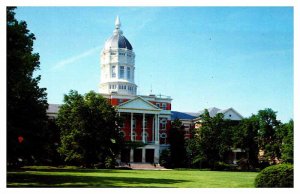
(131, 155)
(143, 128)
(131, 126)
(153, 128)
(234, 157)
(157, 130)
(156, 154)
(143, 155)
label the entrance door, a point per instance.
(137, 155)
(125, 155)
(150, 155)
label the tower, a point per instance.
(117, 64)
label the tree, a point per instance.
(211, 141)
(26, 101)
(89, 130)
(177, 144)
(245, 136)
(286, 134)
(268, 138)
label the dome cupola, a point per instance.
(117, 40)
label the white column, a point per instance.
(143, 155)
(131, 155)
(156, 154)
(234, 157)
(157, 130)
(153, 128)
(143, 128)
(131, 126)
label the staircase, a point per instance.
(146, 166)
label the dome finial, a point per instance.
(118, 22)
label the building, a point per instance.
(146, 118)
(192, 120)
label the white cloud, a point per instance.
(61, 64)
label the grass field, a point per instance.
(68, 177)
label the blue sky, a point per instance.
(240, 57)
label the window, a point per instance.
(163, 138)
(133, 123)
(120, 101)
(121, 75)
(158, 105)
(145, 134)
(113, 53)
(146, 123)
(164, 106)
(163, 124)
(121, 124)
(133, 136)
(113, 71)
(128, 72)
(122, 133)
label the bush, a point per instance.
(165, 158)
(281, 175)
(109, 162)
(221, 166)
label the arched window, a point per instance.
(121, 72)
(113, 71)
(122, 133)
(128, 73)
(163, 123)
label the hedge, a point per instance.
(281, 175)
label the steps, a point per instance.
(144, 166)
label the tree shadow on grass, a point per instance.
(32, 180)
(74, 170)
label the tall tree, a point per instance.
(26, 101)
(89, 130)
(177, 144)
(269, 141)
(286, 133)
(211, 141)
(245, 136)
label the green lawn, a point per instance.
(67, 177)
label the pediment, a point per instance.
(138, 103)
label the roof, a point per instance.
(183, 115)
(212, 111)
(118, 41)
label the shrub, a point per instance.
(281, 175)
(165, 158)
(221, 166)
(109, 162)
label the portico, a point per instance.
(143, 126)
